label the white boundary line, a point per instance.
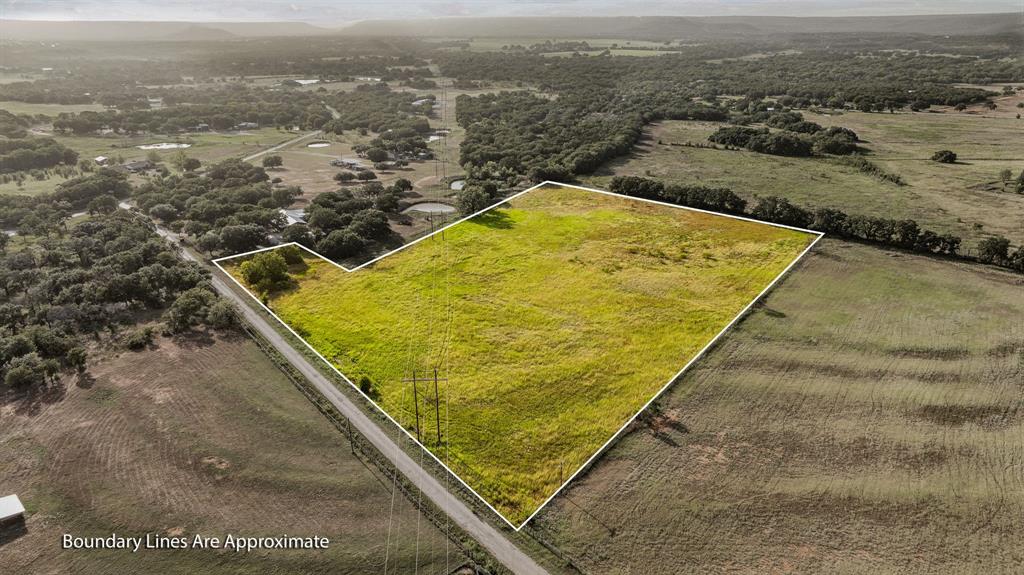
(614, 436)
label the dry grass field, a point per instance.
(555, 318)
(868, 418)
(965, 198)
(199, 436)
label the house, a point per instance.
(101, 160)
(297, 216)
(11, 510)
(247, 126)
(138, 166)
(201, 128)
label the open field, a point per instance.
(201, 435)
(554, 318)
(946, 198)
(48, 109)
(866, 419)
(208, 147)
(310, 167)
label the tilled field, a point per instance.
(867, 419)
(199, 436)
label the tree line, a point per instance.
(904, 234)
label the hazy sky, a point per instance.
(339, 11)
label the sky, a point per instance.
(328, 12)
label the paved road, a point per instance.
(281, 146)
(493, 540)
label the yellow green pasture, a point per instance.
(554, 318)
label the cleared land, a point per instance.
(954, 198)
(200, 435)
(208, 147)
(867, 419)
(554, 318)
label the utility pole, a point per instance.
(416, 400)
(437, 402)
(437, 408)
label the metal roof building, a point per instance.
(11, 509)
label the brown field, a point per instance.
(868, 418)
(201, 435)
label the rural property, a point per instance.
(516, 343)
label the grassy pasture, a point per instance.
(199, 435)
(208, 147)
(554, 318)
(947, 198)
(866, 419)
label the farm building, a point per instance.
(11, 510)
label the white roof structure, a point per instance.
(11, 507)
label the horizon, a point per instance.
(328, 14)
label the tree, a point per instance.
(188, 309)
(472, 200)
(377, 155)
(164, 212)
(209, 242)
(298, 233)
(104, 204)
(76, 358)
(191, 164)
(993, 250)
(402, 185)
(273, 161)
(366, 175)
(283, 197)
(342, 177)
(340, 244)
(25, 372)
(944, 157)
(241, 238)
(153, 156)
(4, 240)
(266, 272)
(1005, 175)
(221, 315)
(370, 224)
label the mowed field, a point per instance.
(554, 318)
(199, 436)
(868, 418)
(965, 198)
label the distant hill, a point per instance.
(157, 31)
(641, 27)
(199, 33)
(684, 28)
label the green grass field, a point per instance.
(554, 318)
(964, 198)
(868, 418)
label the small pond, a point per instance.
(430, 208)
(163, 146)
